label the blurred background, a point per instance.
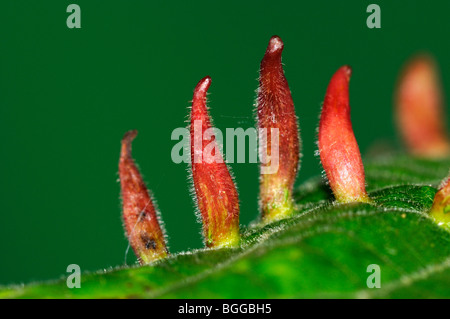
(68, 95)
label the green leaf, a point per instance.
(323, 251)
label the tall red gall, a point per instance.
(216, 194)
(140, 215)
(339, 152)
(419, 110)
(440, 211)
(279, 144)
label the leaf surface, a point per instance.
(323, 251)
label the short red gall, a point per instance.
(139, 213)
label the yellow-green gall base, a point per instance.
(146, 258)
(279, 208)
(440, 212)
(224, 240)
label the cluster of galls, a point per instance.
(419, 114)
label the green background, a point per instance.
(68, 95)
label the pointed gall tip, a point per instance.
(275, 45)
(347, 70)
(344, 73)
(423, 62)
(199, 110)
(272, 56)
(128, 137)
(203, 85)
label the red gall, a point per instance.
(339, 151)
(419, 110)
(140, 215)
(276, 115)
(216, 195)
